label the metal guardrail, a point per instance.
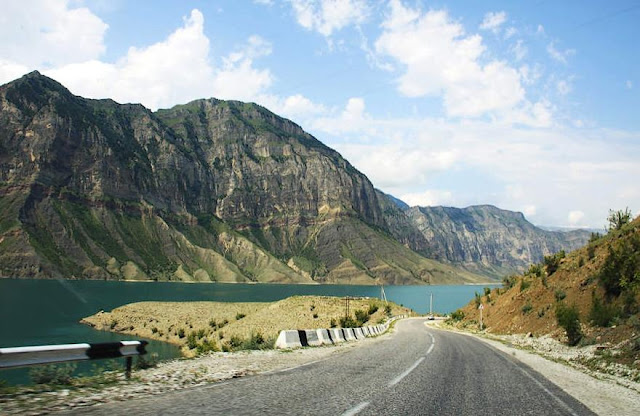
(47, 354)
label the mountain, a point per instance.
(485, 239)
(207, 191)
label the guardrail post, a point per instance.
(128, 371)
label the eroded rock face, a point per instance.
(217, 190)
(487, 239)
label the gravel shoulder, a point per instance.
(604, 394)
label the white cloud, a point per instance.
(469, 87)
(492, 21)
(510, 32)
(432, 197)
(560, 56)
(328, 16)
(519, 50)
(264, 2)
(575, 217)
(628, 84)
(563, 87)
(40, 34)
(529, 210)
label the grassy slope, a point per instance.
(530, 304)
(165, 320)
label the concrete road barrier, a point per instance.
(359, 333)
(336, 335)
(324, 336)
(349, 334)
(288, 339)
(312, 338)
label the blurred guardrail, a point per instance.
(48, 354)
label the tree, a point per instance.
(618, 219)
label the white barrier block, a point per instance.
(359, 333)
(336, 335)
(288, 339)
(365, 330)
(323, 336)
(349, 334)
(312, 337)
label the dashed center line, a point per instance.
(355, 410)
(406, 373)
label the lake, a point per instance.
(41, 312)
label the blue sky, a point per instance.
(531, 106)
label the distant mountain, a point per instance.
(207, 191)
(487, 240)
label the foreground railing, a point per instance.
(48, 354)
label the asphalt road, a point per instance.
(415, 371)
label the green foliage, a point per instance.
(487, 291)
(535, 270)
(602, 314)
(581, 262)
(361, 317)
(618, 219)
(527, 308)
(524, 284)
(621, 268)
(255, 342)
(60, 374)
(568, 317)
(551, 263)
(560, 295)
(478, 299)
(594, 237)
(180, 333)
(348, 322)
(457, 315)
(192, 341)
(240, 316)
(206, 346)
(387, 310)
(333, 323)
(591, 251)
(113, 323)
(509, 281)
(373, 308)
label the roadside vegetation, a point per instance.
(589, 297)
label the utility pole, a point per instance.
(480, 308)
(383, 295)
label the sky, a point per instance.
(532, 106)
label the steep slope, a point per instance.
(485, 239)
(599, 282)
(210, 191)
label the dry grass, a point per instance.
(167, 321)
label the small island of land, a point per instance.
(225, 326)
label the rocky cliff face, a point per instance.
(486, 239)
(211, 190)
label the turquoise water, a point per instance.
(42, 312)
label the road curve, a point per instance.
(415, 371)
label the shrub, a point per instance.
(387, 309)
(509, 281)
(560, 295)
(113, 324)
(213, 324)
(527, 308)
(206, 346)
(52, 374)
(240, 316)
(602, 314)
(487, 291)
(551, 263)
(180, 333)
(524, 285)
(478, 300)
(457, 315)
(535, 270)
(200, 333)
(591, 251)
(568, 317)
(621, 268)
(192, 341)
(618, 219)
(315, 316)
(333, 323)
(372, 309)
(154, 330)
(348, 322)
(594, 237)
(581, 262)
(361, 317)
(541, 312)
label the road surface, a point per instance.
(415, 371)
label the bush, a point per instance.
(509, 281)
(568, 317)
(621, 268)
(560, 295)
(618, 219)
(387, 309)
(361, 317)
(524, 285)
(206, 346)
(372, 309)
(591, 251)
(332, 323)
(60, 374)
(478, 300)
(535, 270)
(240, 316)
(213, 324)
(551, 263)
(602, 314)
(180, 333)
(487, 291)
(192, 341)
(315, 316)
(527, 308)
(348, 322)
(594, 237)
(457, 315)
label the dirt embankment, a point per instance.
(218, 325)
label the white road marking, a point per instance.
(355, 410)
(560, 402)
(406, 373)
(433, 343)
